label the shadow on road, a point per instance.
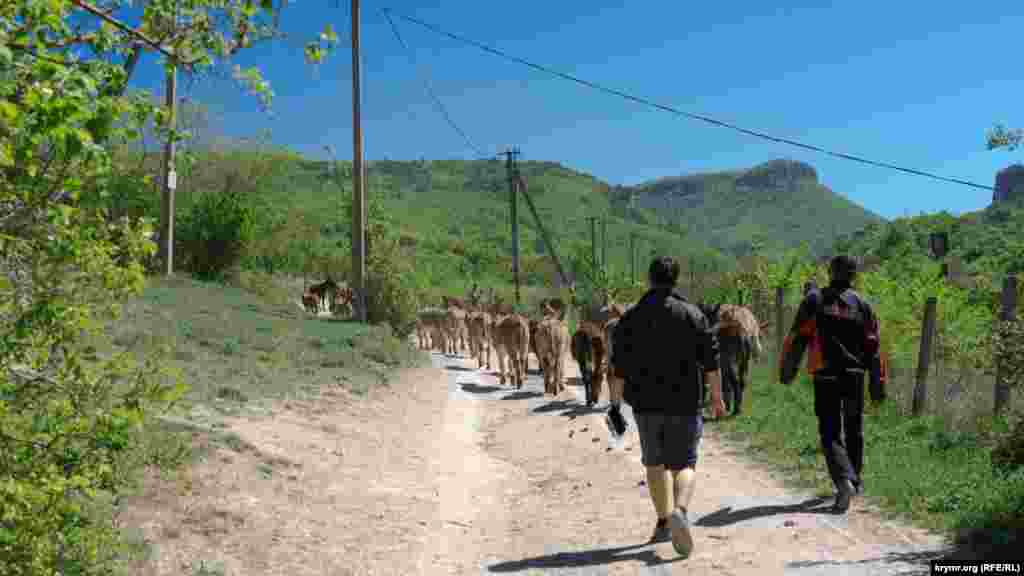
(582, 410)
(457, 368)
(919, 558)
(554, 406)
(727, 515)
(522, 395)
(478, 389)
(584, 558)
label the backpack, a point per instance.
(851, 356)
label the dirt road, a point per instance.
(446, 472)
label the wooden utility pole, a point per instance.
(924, 355)
(632, 257)
(780, 320)
(604, 242)
(170, 178)
(358, 180)
(1007, 313)
(593, 241)
(513, 181)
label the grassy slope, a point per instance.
(234, 347)
(780, 202)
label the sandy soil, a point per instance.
(445, 472)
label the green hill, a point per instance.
(454, 216)
(454, 220)
(778, 204)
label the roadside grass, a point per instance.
(234, 347)
(916, 469)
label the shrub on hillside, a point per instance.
(393, 284)
(214, 234)
(392, 287)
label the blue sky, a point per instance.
(906, 83)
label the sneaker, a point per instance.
(682, 540)
(846, 492)
(662, 532)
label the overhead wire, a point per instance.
(433, 95)
(672, 110)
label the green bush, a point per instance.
(394, 286)
(214, 234)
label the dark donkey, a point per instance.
(588, 350)
(734, 355)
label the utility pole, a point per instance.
(513, 180)
(358, 180)
(632, 257)
(170, 182)
(593, 240)
(604, 242)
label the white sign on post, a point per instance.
(172, 180)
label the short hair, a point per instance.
(843, 266)
(663, 271)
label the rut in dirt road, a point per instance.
(559, 499)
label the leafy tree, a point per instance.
(69, 416)
(1003, 137)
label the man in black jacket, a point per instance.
(664, 351)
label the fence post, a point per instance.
(924, 356)
(1007, 313)
(780, 329)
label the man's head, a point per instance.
(663, 272)
(842, 271)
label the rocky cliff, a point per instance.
(1009, 184)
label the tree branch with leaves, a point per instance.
(70, 419)
(1002, 137)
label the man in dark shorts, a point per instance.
(840, 331)
(664, 351)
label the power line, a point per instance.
(678, 112)
(431, 93)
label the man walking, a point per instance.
(840, 331)
(664, 351)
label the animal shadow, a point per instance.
(523, 395)
(478, 389)
(583, 410)
(554, 406)
(727, 515)
(457, 368)
(582, 558)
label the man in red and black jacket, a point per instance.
(840, 332)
